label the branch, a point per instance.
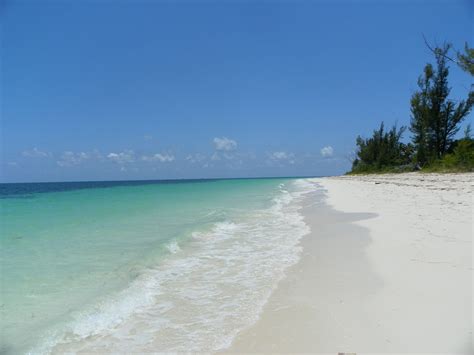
(437, 53)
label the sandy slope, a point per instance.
(387, 269)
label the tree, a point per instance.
(466, 62)
(466, 59)
(435, 119)
(420, 110)
(467, 132)
(384, 150)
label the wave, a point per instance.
(203, 294)
(173, 247)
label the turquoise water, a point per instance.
(139, 267)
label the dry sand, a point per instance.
(387, 268)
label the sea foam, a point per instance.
(203, 294)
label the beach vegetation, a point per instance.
(435, 122)
(383, 151)
(459, 158)
(435, 118)
(466, 59)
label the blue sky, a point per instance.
(99, 90)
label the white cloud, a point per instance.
(12, 163)
(147, 137)
(163, 158)
(70, 158)
(227, 159)
(327, 152)
(224, 144)
(127, 156)
(281, 157)
(224, 156)
(196, 158)
(35, 153)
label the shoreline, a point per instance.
(387, 268)
(201, 293)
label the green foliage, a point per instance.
(435, 119)
(464, 154)
(466, 59)
(420, 116)
(382, 152)
(467, 131)
(461, 159)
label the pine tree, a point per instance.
(420, 110)
(466, 59)
(384, 150)
(435, 119)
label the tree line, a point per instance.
(435, 122)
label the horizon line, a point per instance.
(175, 179)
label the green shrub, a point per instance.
(460, 160)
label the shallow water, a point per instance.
(173, 266)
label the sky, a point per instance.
(122, 90)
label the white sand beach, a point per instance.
(387, 268)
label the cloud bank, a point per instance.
(162, 158)
(35, 153)
(327, 152)
(224, 144)
(70, 158)
(127, 156)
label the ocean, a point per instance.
(141, 266)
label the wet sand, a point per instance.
(387, 268)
